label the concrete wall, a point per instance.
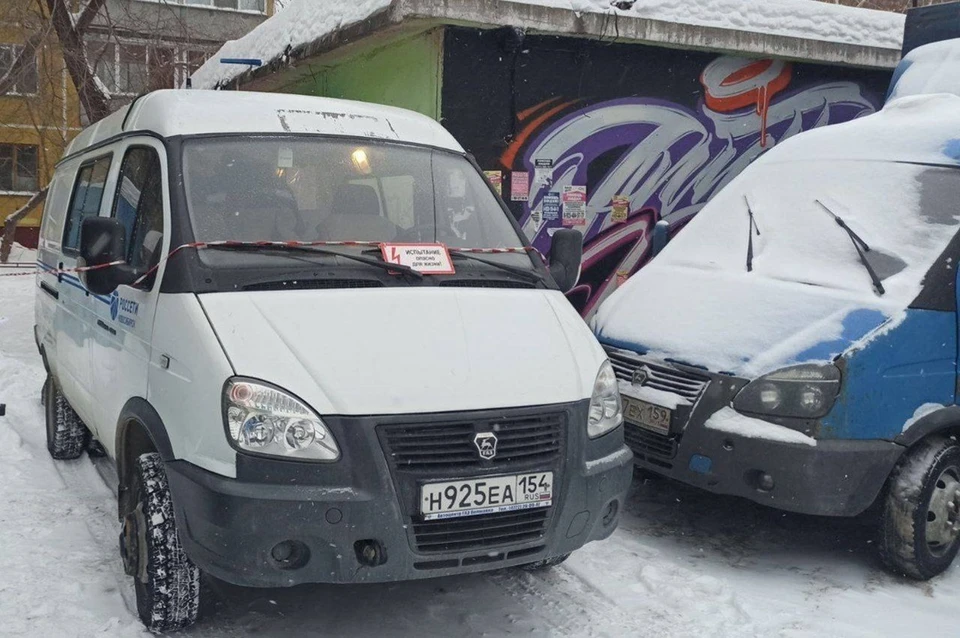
(404, 72)
(652, 133)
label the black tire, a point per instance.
(67, 436)
(546, 563)
(166, 580)
(920, 523)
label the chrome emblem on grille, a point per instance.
(641, 376)
(486, 443)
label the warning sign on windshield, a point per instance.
(429, 259)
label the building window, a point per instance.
(132, 68)
(240, 5)
(18, 168)
(25, 75)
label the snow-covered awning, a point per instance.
(798, 29)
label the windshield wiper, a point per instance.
(753, 227)
(862, 248)
(392, 268)
(532, 277)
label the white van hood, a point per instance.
(409, 350)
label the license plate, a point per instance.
(487, 495)
(646, 415)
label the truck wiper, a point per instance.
(280, 248)
(862, 248)
(753, 227)
(532, 277)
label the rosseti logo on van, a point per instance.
(123, 310)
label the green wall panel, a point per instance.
(405, 73)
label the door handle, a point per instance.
(50, 290)
(102, 324)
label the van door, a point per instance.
(76, 311)
(124, 326)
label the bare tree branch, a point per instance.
(29, 49)
(10, 224)
(87, 16)
(93, 98)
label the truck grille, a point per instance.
(659, 377)
(650, 446)
(480, 532)
(450, 446)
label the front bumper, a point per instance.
(833, 478)
(230, 527)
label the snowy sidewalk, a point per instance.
(683, 563)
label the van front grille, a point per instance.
(652, 447)
(658, 376)
(480, 532)
(435, 447)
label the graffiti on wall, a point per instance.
(660, 160)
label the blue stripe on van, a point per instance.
(73, 281)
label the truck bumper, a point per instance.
(281, 523)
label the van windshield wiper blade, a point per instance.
(532, 277)
(280, 248)
(862, 248)
(753, 227)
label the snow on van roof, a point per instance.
(928, 69)
(194, 112)
(891, 176)
(304, 22)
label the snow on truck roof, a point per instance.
(785, 28)
(194, 112)
(931, 68)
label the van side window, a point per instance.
(87, 195)
(139, 205)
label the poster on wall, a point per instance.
(551, 207)
(496, 179)
(620, 209)
(574, 205)
(520, 186)
(543, 172)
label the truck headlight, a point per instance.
(266, 420)
(802, 392)
(606, 412)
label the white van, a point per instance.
(318, 348)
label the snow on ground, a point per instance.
(305, 21)
(683, 563)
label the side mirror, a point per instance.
(566, 257)
(661, 237)
(103, 241)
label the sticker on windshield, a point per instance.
(428, 259)
(285, 157)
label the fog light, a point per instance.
(765, 482)
(370, 553)
(290, 554)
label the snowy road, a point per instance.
(682, 563)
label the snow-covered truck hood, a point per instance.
(733, 323)
(409, 350)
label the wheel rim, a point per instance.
(943, 513)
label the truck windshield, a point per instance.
(906, 213)
(322, 189)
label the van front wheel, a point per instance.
(920, 528)
(166, 580)
(67, 436)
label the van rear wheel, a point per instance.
(920, 527)
(166, 580)
(67, 436)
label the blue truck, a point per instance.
(797, 343)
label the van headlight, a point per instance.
(266, 420)
(802, 392)
(606, 411)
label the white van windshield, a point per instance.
(905, 214)
(322, 189)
